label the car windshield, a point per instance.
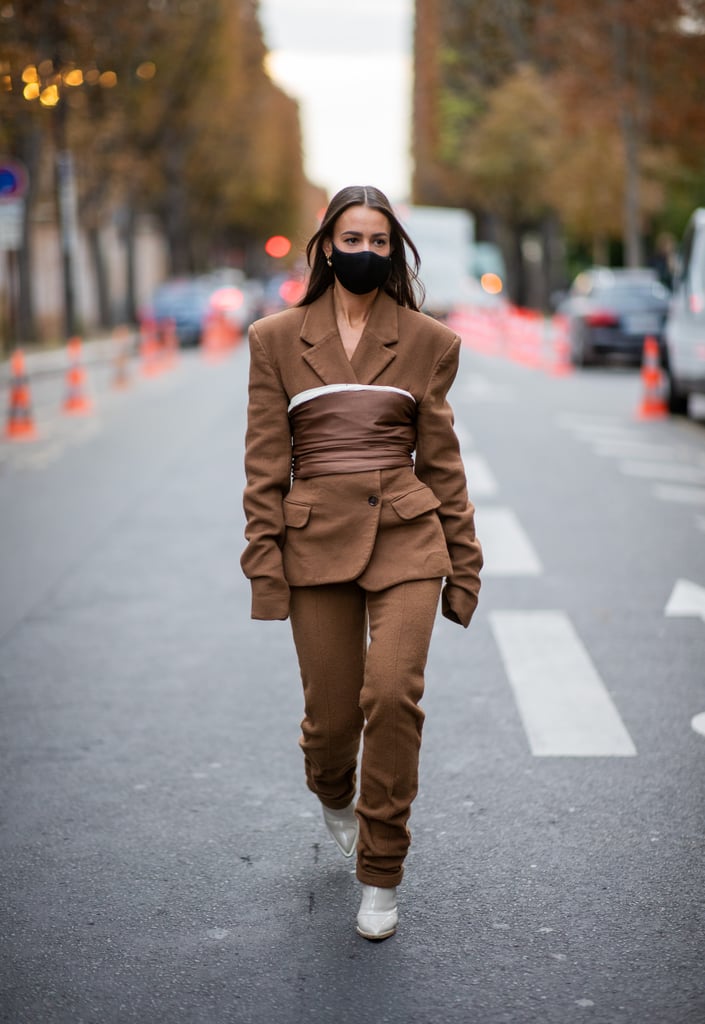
(631, 294)
(181, 296)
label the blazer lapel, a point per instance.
(326, 357)
(374, 351)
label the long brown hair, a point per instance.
(403, 284)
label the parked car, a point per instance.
(684, 333)
(188, 301)
(613, 311)
(280, 291)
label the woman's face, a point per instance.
(359, 228)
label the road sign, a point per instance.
(11, 221)
(13, 180)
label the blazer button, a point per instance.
(373, 500)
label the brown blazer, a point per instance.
(326, 529)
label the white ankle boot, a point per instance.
(343, 827)
(377, 917)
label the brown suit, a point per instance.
(419, 523)
(357, 559)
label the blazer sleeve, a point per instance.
(268, 477)
(440, 466)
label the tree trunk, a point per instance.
(629, 129)
(552, 258)
(129, 311)
(101, 277)
(600, 251)
(26, 323)
(633, 243)
(30, 146)
(176, 214)
(517, 276)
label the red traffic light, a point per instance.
(277, 246)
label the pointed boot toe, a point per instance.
(343, 827)
(377, 917)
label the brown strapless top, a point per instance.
(351, 428)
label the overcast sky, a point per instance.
(348, 62)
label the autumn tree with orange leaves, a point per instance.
(548, 114)
(165, 108)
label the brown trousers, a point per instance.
(357, 688)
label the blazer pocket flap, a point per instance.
(415, 503)
(296, 514)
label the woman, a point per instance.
(348, 534)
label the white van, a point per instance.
(684, 333)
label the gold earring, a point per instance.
(329, 261)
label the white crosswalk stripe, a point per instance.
(666, 465)
(564, 705)
(507, 549)
(481, 480)
(632, 449)
(676, 472)
(681, 495)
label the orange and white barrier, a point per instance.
(150, 354)
(20, 421)
(121, 358)
(653, 405)
(76, 401)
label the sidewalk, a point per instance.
(98, 348)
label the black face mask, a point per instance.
(361, 272)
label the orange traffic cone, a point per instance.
(121, 359)
(20, 422)
(652, 404)
(170, 344)
(149, 349)
(214, 342)
(76, 402)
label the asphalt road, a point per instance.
(161, 860)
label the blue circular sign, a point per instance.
(13, 179)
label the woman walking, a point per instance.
(357, 512)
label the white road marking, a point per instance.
(482, 389)
(698, 723)
(586, 421)
(564, 705)
(481, 480)
(507, 549)
(607, 435)
(679, 472)
(670, 466)
(633, 450)
(687, 599)
(681, 495)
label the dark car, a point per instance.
(189, 301)
(684, 334)
(612, 311)
(185, 301)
